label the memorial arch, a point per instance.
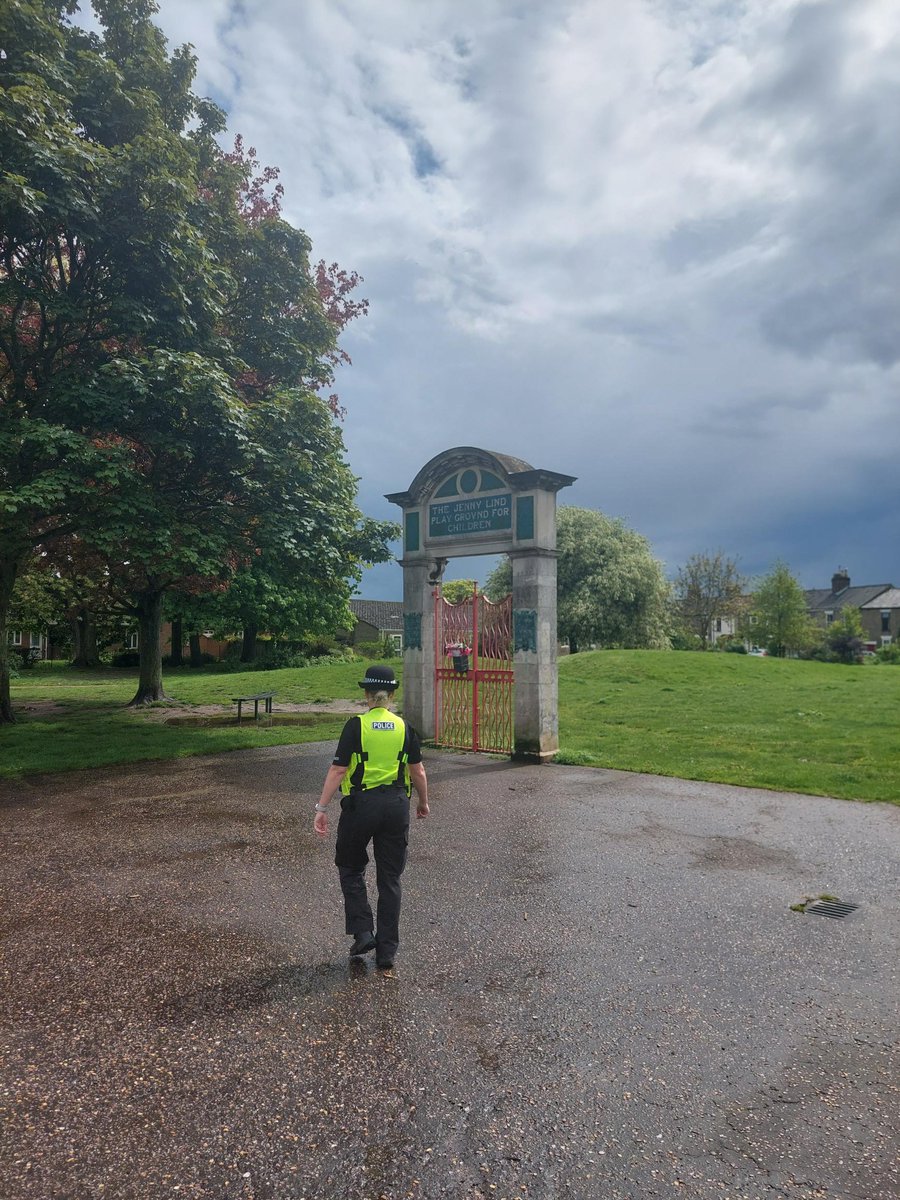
(464, 502)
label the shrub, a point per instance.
(818, 653)
(126, 658)
(682, 640)
(889, 654)
(374, 651)
(323, 647)
(844, 636)
(735, 646)
(278, 657)
(22, 659)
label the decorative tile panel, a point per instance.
(412, 631)
(525, 629)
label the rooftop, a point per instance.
(383, 614)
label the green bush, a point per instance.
(126, 658)
(889, 654)
(323, 647)
(682, 640)
(844, 636)
(735, 646)
(375, 651)
(818, 653)
(278, 657)
(370, 650)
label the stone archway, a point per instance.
(468, 501)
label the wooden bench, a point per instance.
(239, 700)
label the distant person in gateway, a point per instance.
(377, 763)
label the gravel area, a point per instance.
(602, 991)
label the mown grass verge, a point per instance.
(91, 726)
(818, 728)
(810, 727)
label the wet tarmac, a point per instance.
(602, 991)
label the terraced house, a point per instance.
(878, 604)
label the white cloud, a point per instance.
(653, 244)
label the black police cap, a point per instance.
(378, 679)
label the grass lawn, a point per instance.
(808, 727)
(727, 718)
(96, 729)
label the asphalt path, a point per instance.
(601, 991)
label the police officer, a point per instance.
(377, 759)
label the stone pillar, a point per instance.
(418, 646)
(536, 720)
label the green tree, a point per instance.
(247, 462)
(845, 636)
(162, 332)
(289, 598)
(99, 254)
(455, 591)
(611, 591)
(778, 616)
(64, 590)
(706, 587)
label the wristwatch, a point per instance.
(321, 807)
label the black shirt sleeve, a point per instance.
(350, 743)
(412, 745)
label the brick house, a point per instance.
(26, 642)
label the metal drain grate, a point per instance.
(836, 909)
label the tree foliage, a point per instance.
(63, 592)
(163, 334)
(455, 591)
(778, 615)
(845, 637)
(611, 591)
(708, 586)
(98, 254)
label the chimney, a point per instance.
(840, 580)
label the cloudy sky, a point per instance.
(650, 243)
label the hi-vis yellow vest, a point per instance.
(384, 758)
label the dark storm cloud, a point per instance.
(833, 106)
(756, 417)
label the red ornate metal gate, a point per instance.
(473, 662)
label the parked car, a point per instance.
(758, 651)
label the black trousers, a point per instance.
(379, 816)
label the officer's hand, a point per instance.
(321, 824)
(422, 810)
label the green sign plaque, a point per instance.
(461, 518)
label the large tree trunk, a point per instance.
(177, 642)
(149, 611)
(84, 640)
(8, 570)
(196, 652)
(248, 649)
